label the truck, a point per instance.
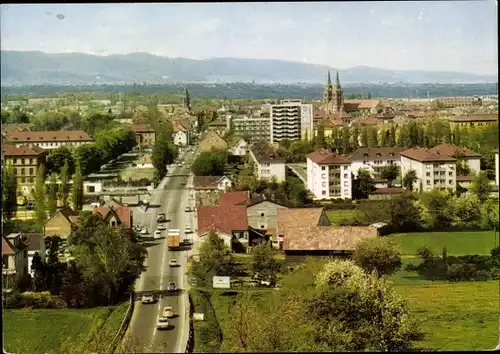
(174, 236)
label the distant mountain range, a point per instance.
(38, 68)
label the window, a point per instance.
(22, 161)
(23, 180)
(262, 226)
(345, 167)
(32, 161)
(436, 165)
(365, 162)
(30, 180)
(450, 173)
(262, 214)
(23, 172)
(31, 171)
(15, 161)
(346, 191)
(428, 174)
(450, 181)
(323, 168)
(428, 167)
(323, 184)
(323, 192)
(346, 175)
(323, 175)
(428, 182)
(346, 184)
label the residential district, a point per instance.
(206, 227)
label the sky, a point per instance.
(440, 35)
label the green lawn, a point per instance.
(455, 316)
(457, 242)
(137, 173)
(61, 331)
(336, 216)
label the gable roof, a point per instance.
(122, 213)
(7, 248)
(383, 153)
(42, 136)
(68, 213)
(265, 154)
(298, 217)
(233, 198)
(207, 182)
(224, 218)
(260, 198)
(455, 151)
(211, 134)
(12, 150)
(326, 157)
(425, 155)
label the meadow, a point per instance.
(62, 330)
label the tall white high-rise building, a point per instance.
(291, 120)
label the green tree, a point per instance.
(164, 151)
(406, 213)
(390, 173)
(187, 99)
(466, 210)
(264, 261)
(52, 194)
(40, 206)
(378, 254)
(363, 185)
(489, 213)
(57, 158)
(77, 191)
(437, 209)
(209, 164)
(481, 186)
(64, 188)
(409, 179)
(9, 192)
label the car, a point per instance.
(147, 299)
(187, 230)
(144, 231)
(157, 234)
(162, 226)
(161, 217)
(173, 263)
(186, 241)
(168, 312)
(187, 209)
(172, 287)
(183, 183)
(162, 323)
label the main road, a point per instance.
(172, 196)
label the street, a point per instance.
(142, 334)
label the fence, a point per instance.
(123, 327)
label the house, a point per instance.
(473, 120)
(48, 139)
(433, 170)
(328, 175)
(385, 193)
(25, 162)
(35, 243)
(206, 188)
(268, 163)
(61, 224)
(262, 215)
(233, 198)
(211, 141)
(144, 162)
(471, 158)
(240, 149)
(375, 159)
(366, 107)
(145, 135)
(14, 260)
(218, 126)
(308, 232)
(115, 214)
(15, 127)
(180, 134)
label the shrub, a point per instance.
(41, 300)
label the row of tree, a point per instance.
(164, 151)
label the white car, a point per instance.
(157, 234)
(168, 312)
(173, 263)
(144, 231)
(162, 323)
(187, 209)
(187, 230)
(147, 299)
(162, 226)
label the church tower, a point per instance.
(333, 98)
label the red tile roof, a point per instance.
(425, 155)
(206, 182)
(265, 154)
(326, 157)
(222, 218)
(475, 118)
(43, 136)
(12, 150)
(7, 248)
(233, 198)
(381, 153)
(465, 178)
(455, 151)
(123, 213)
(390, 190)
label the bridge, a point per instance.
(300, 170)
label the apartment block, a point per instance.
(375, 159)
(471, 158)
(255, 128)
(291, 120)
(433, 170)
(268, 164)
(329, 175)
(48, 139)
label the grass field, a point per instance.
(137, 173)
(336, 216)
(457, 242)
(61, 331)
(457, 316)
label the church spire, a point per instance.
(329, 83)
(338, 80)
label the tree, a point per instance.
(363, 185)
(77, 194)
(481, 187)
(58, 157)
(409, 179)
(63, 192)
(40, 206)
(489, 212)
(466, 210)
(378, 254)
(405, 213)
(209, 164)
(187, 99)
(437, 209)
(163, 152)
(264, 262)
(52, 194)
(390, 173)
(9, 191)
(215, 259)
(38, 268)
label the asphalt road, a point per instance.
(142, 335)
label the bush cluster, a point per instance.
(34, 300)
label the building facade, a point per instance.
(375, 159)
(255, 128)
(291, 120)
(268, 164)
(48, 139)
(145, 135)
(329, 175)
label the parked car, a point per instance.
(157, 234)
(147, 299)
(162, 323)
(168, 312)
(187, 230)
(144, 231)
(187, 209)
(162, 226)
(173, 263)
(172, 287)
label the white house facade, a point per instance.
(329, 175)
